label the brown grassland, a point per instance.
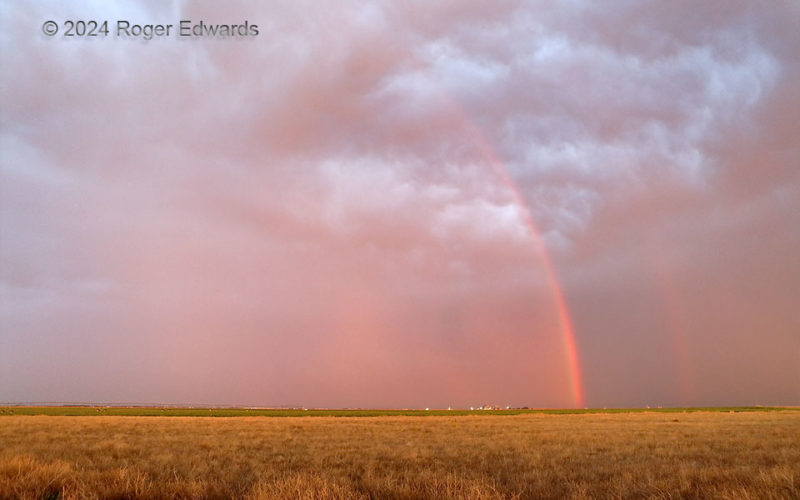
(626, 455)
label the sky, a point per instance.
(402, 204)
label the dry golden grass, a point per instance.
(692, 455)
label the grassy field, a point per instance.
(741, 455)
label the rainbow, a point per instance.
(567, 331)
(674, 309)
(564, 320)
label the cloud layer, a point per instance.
(334, 213)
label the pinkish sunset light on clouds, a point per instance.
(403, 204)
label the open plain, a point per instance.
(594, 455)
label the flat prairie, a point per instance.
(621, 455)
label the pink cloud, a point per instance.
(315, 217)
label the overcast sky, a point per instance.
(385, 203)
